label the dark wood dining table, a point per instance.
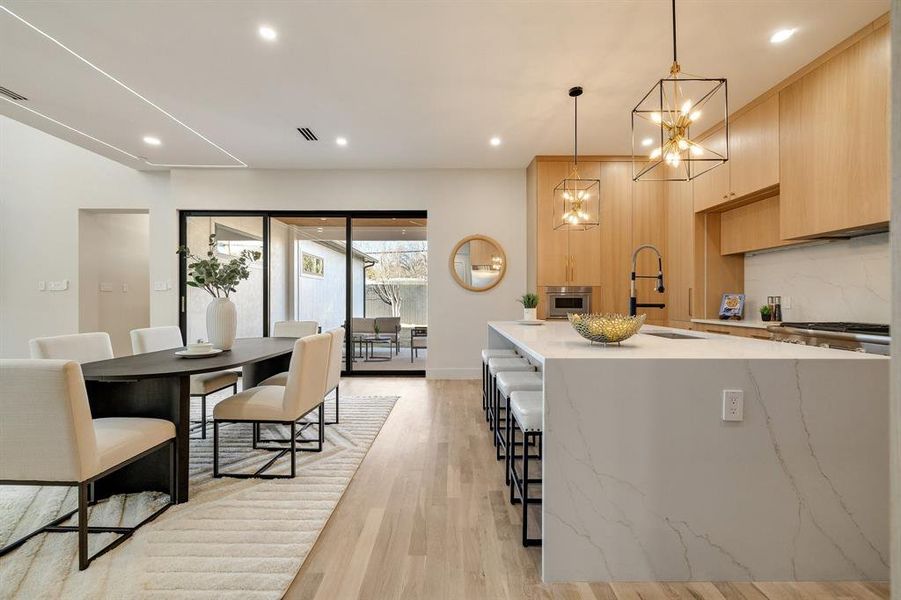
(158, 384)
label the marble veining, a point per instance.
(842, 280)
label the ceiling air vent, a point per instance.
(308, 134)
(11, 94)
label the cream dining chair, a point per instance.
(80, 347)
(294, 329)
(279, 405)
(46, 399)
(154, 339)
(333, 377)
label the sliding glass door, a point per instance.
(366, 272)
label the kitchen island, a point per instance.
(644, 480)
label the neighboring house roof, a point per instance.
(342, 248)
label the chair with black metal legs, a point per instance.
(495, 366)
(46, 400)
(277, 405)
(527, 418)
(154, 339)
(506, 383)
(333, 376)
(489, 353)
(291, 329)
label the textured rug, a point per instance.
(234, 539)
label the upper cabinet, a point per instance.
(833, 136)
(754, 149)
(552, 248)
(753, 164)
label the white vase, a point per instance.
(221, 323)
(530, 314)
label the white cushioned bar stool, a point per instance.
(154, 339)
(46, 399)
(495, 366)
(509, 382)
(277, 405)
(80, 347)
(527, 418)
(488, 353)
(335, 363)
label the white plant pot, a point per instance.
(530, 314)
(221, 323)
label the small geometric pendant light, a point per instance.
(577, 200)
(667, 121)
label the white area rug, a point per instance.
(234, 539)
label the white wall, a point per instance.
(114, 275)
(44, 181)
(842, 280)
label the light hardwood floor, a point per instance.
(427, 516)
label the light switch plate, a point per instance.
(733, 405)
(106, 287)
(58, 286)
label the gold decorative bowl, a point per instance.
(610, 328)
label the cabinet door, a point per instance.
(615, 236)
(584, 246)
(552, 248)
(679, 253)
(649, 227)
(712, 188)
(754, 149)
(833, 135)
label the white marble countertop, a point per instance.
(727, 323)
(557, 339)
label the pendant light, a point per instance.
(576, 200)
(667, 121)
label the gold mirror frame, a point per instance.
(482, 238)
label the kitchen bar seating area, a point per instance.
(484, 300)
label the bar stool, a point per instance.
(508, 382)
(488, 353)
(527, 417)
(495, 366)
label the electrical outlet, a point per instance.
(125, 287)
(733, 405)
(42, 286)
(106, 287)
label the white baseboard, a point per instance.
(453, 373)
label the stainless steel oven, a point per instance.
(569, 299)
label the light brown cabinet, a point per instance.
(564, 257)
(679, 252)
(751, 227)
(754, 149)
(753, 164)
(833, 136)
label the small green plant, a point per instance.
(765, 310)
(529, 300)
(377, 329)
(217, 277)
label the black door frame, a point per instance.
(349, 216)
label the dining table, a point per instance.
(158, 385)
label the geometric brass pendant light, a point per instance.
(667, 121)
(576, 200)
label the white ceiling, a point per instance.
(410, 84)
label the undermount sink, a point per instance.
(671, 335)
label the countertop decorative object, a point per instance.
(609, 328)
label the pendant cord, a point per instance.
(576, 131)
(675, 58)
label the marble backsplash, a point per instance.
(842, 280)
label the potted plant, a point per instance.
(220, 279)
(529, 303)
(766, 312)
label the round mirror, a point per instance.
(478, 263)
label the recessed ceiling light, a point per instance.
(268, 33)
(153, 141)
(647, 142)
(495, 141)
(782, 35)
(341, 141)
